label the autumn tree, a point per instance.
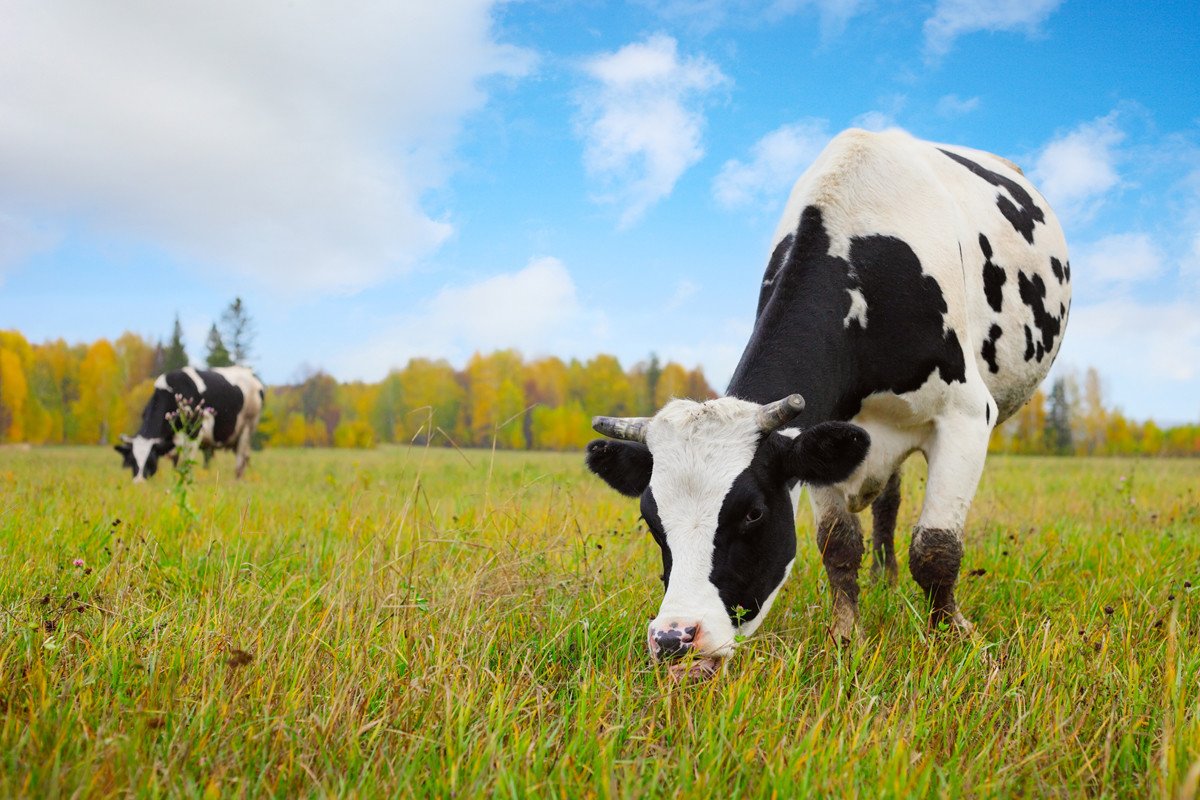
(1057, 432)
(100, 408)
(14, 391)
(496, 399)
(1095, 416)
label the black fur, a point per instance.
(625, 466)
(993, 276)
(827, 452)
(800, 343)
(1033, 294)
(988, 351)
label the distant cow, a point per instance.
(235, 396)
(915, 296)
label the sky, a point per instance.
(384, 180)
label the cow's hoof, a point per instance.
(952, 623)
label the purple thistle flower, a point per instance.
(78, 562)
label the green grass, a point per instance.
(428, 623)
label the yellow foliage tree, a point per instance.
(100, 410)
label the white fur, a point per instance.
(858, 309)
(141, 452)
(699, 449)
(191, 372)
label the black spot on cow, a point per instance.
(800, 342)
(1057, 268)
(1033, 294)
(1028, 344)
(1024, 213)
(987, 413)
(650, 515)
(989, 348)
(1067, 269)
(993, 277)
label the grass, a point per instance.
(404, 622)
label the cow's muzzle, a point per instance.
(674, 641)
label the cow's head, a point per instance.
(141, 454)
(714, 481)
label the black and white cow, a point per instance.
(915, 296)
(235, 396)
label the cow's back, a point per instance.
(953, 206)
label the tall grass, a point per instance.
(409, 622)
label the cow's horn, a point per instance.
(126, 438)
(774, 416)
(631, 429)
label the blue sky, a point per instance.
(563, 177)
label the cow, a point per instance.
(235, 396)
(914, 298)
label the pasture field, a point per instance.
(412, 622)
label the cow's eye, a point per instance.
(754, 515)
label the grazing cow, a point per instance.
(915, 297)
(234, 395)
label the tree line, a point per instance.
(60, 393)
(1073, 418)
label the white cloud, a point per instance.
(1120, 259)
(874, 121)
(535, 309)
(641, 120)
(291, 142)
(776, 161)
(951, 105)
(954, 18)
(1075, 170)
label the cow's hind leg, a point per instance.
(243, 450)
(840, 540)
(883, 530)
(956, 454)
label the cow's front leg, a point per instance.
(839, 538)
(956, 454)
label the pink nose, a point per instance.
(674, 640)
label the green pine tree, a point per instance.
(176, 356)
(218, 355)
(238, 330)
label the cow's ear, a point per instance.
(827, 453)
(124, 448)
(625, 466)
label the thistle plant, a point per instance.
(186, 422)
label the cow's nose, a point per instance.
(139, 478)
(673, 641)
